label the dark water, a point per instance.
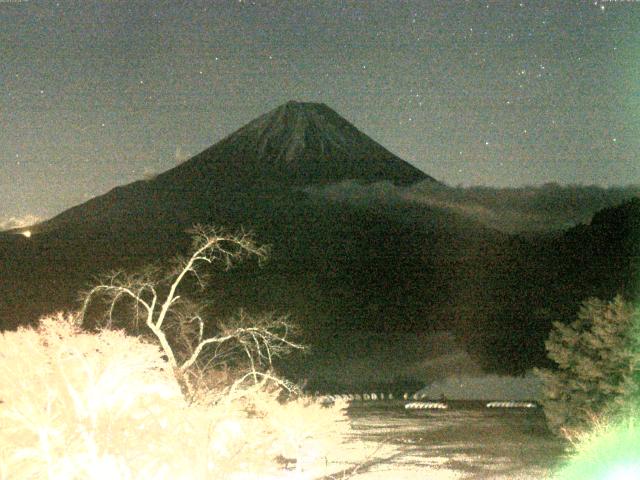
(467, 440)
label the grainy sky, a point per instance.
(505, 93)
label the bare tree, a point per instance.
(178, 323)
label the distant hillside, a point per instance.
(547, 277)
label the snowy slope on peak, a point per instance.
(298, 144)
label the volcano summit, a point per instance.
(299, 144)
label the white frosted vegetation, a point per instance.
(107, 406)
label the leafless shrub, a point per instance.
(179, 324)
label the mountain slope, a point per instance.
(294, 145)
(252, 179)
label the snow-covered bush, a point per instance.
(77, 405)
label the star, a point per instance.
(506, 77)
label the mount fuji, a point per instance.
(353, 275)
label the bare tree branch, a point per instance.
(178, 322)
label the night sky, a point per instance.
(100, 93)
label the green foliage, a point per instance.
(75, 405)
(597, 359)
(611, 450)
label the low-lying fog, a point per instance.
(532, 208)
